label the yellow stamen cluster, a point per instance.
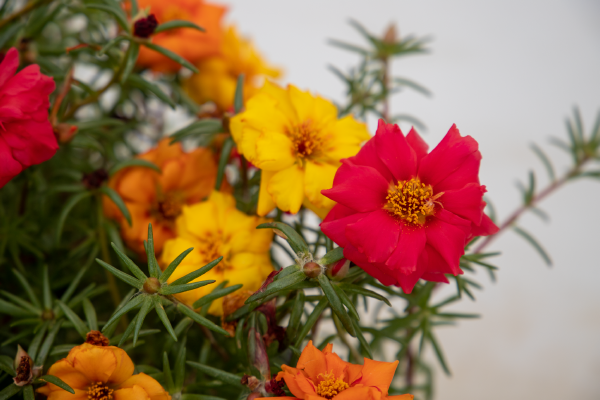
(305, 138)
(330, 386)
(213, 248)
(168, 206)
(412, 201)
(99, 391)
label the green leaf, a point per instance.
(47, 295)
(174, 289)
(90, 314)
(28, 393)
(134, 162)
(160, 310)
(128, 331)
(177, 23)
(197, 128)
(73, 285)
(48, 342)
(121, 275)
(19, 301)
(133, 303)
(199, 272)
(202, 301)
(348, 46)
(361, 338)
(146, 306)
(535, 244)
(180, 368)
(238, 98)
(296, 315)
(141, 83)
(115, 11)
(37, 340)
(66, 210)
(201, 320)
(346, 301)
(332, 256)
(278, 285)
(153, 267)
(11, 309)
(131, 57)
(116, 198)
(355, 289)
(413, 85)
(169, 270)
(296, 241)
(438, 353)
(336, 304)
(110, 44)
(9, 33)
(175, 57)
(225, 377)
(134, 7)
(545, 160)
(6, 365)
(9, 391)
(167, 373)
(223, 160)
(310, 321)
(30, 293)
(58, 382)
(286, 271)
(79, 325)
(135, 270)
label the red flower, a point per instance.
(403, 214)
(26, 135)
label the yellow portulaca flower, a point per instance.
(297, 140)
(215, 228)
(218, 75)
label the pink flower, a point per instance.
(404, 214)
(26, 135)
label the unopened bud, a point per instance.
(338, 270)
(312, 269)
(152, 285)
(23, 367)
(96, 338)
(390, 34)
(251, 381)
(145, 27)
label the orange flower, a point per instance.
(218, 75)
(323, 375)
(155, 198)
(189, 43)
(101, 373)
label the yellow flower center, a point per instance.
(212, 248)
(330, 386)
(168, 206)
(412, 201)
(306, 139)
(99, 391)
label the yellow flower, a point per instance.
(218, 75)
(101, 373)
(297, 141)
(215, 228)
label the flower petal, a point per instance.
(312, 361)
(407, 252)
(319, 176)
(265, 201)
(96, 363)
(287, 188)
(9, 65)
(358, 187)
(124, 367)
(274, 151)
(394, 151)
(377, 270)
(466, 202)
(375, 235)
(401, 397)
(10, 166)
(334, 225)
(149, 384)
(447, 157)
(487, 227)
(417, 143)
(65, 371)
(378, 374)
(368, 156)
(355, 393)
(447, 233)
(290, 381)
(132, 393)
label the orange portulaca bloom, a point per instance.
(155, 198)
(101, 373)
(323, 375)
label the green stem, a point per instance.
(112, 283)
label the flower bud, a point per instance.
(151, 286)
(96, 338)
(145, 27)
(312, 269)
(339, 269)
(24, 368)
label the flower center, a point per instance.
(212, 249)
(99, 391)
(168, 206)
(330, 386)
(305, 138)
(412, 201)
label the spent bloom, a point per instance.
(215, 228)
(405, 214)
(101, 373)
(158, 198)
(218, 75)
(324, 375)
(297, 140)
(191, 44)
(26, 135)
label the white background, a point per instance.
(507, 73)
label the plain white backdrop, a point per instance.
(507, 73)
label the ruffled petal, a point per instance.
(287, 188)
(466, 202)
(312, 361)
(409, 248)
(377, 270)
(417, 143)
(10, 166)
(447, 233)
(319, 176)
(394, 151)
(290, 381)
(265, 201)
(466, 173)
(368, 156)
(378, 374)
(150, 385)
(8, 66)
(132, 393)
(358, 187)
(447, 157)
(274, 152)
(334, 225)
(31, 142)
(485, 228)
(96, 363)
(375, 235)
(65, 371)
(124, 367)
(355, 393)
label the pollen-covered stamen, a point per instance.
(99, 391)
(330, 386)
(306, 139)
(412, 201)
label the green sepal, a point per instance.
(332, 256)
